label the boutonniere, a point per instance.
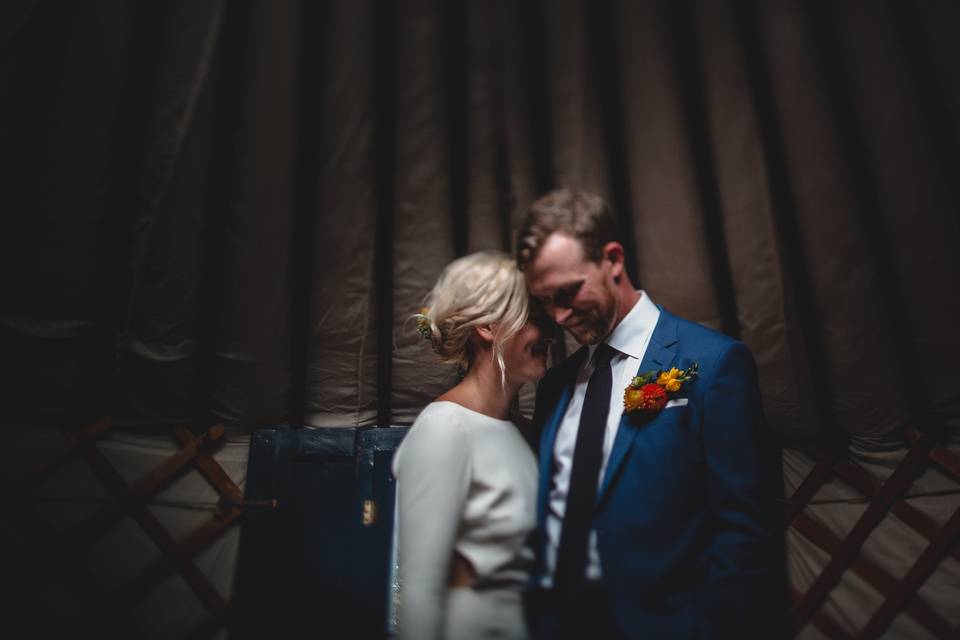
(650, 391)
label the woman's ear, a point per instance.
(484, 332)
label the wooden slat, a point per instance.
(868, 485)
(40, 468)
(209, 628)
(184, 550)
(892, 489)
(948, 460)
(811, 483)
(207, 594)
(875, 576)
(210, 469)
(824, 622)
(38, 561)
(132, 495)
(914, 579)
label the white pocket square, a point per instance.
(678, 402)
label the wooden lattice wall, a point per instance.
(57, 557)
(883, 498)
(109, 610)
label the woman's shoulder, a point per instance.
(441, 423)
(445, 424)
(441, 414)
(438, 434)
(448, 412)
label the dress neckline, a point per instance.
(473, 411)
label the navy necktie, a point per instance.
(569, 576)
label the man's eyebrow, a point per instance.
(547, 293)
(570, 284)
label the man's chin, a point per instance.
(584, 336)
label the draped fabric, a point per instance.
(228, 211)
(232, 209)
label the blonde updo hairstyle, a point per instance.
(483, 289)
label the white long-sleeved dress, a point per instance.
(466, 482)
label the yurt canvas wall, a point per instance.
(218, 216)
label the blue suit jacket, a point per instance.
(682, 528)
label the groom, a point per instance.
(654, 520)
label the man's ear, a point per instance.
(613, 251)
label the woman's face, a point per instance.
(525, 354)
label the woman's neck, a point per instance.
(481, 391)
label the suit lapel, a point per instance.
(660, 354)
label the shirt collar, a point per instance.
(632, 334)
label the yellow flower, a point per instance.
(667, 376)
(632, 398)
(673, 385)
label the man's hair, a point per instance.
(583, 216)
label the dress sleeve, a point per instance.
(433, 477)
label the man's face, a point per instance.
(579, 294)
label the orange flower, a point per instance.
(649, 397)
(654, 397)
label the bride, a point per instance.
(466, 478)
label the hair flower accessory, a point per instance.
(423, 324)
(650, 391)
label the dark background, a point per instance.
(226, 211)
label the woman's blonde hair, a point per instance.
(481, 289)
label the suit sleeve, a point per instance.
(433, 478)
(737, 587)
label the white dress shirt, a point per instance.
(630, 339)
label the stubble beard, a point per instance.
(586, 335)
(594, 328)
(613, 316)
